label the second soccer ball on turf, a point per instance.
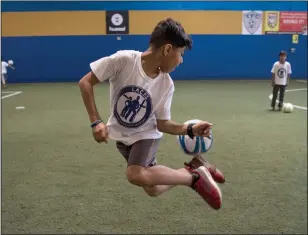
(287, 108)
(196, 146)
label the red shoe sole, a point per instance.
(212, 195)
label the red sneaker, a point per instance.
(217, 175)
(206, 187)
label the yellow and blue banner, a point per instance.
(271, 22)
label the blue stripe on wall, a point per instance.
(15, 6)
(213, 56)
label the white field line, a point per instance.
(10, 95)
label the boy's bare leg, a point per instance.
(158, 175)
(156, 179)
(157, 190)
(162, 178)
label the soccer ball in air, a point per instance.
(198, 145)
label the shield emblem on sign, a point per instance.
(272, 19)
(252, 21)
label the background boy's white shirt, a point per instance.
(281, 72)
(4, 65)
(128, 81)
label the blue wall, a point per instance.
(67, 58)
(40, 59)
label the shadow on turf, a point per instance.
(273, 111)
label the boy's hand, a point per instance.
(273, 83)
(202, 129)
(100, 133)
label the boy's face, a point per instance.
(172, 58)
(282, 58)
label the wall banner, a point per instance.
(252, 22)
(271, 22)
(117, 22)
(293, 22)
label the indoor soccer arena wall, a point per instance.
(56, 41)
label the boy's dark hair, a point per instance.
(282, 53)
(172, 32)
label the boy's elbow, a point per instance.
(84, 80)
(84, 83)
(89, 79)
(81, 82)
(159, 128)
(160, 125)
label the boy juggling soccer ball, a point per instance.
(281, 73)
(141, 92)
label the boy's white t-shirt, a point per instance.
(4, 65)
(136, 100)
(281, 72)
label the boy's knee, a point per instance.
(136, 175)
(151, 191)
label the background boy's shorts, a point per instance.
(141, 153)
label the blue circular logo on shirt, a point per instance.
(281, 73)
(133, 106)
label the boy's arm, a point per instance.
(273, 79)
(288, 79)
(163, 116)
(199, 129)
(289, 73)
(86, 85)
(273, 71)
(102, 70)
(171, 127)
(166, 125)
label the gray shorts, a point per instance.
(141, 153)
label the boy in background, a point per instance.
(4, 65)
(281, 73)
